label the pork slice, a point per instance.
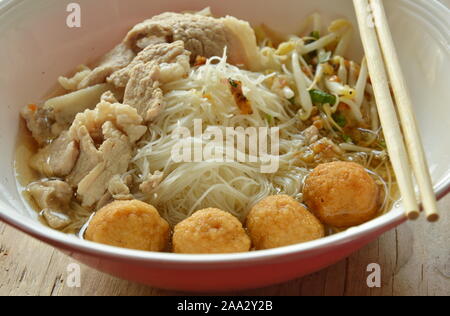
(57, 159)
(89, 157)
(94, 131)
(53, 194)
(202, 35)
(56, 220)
(116, 59)
(39, 122)
(172, 58)
(143, 92)
(119, 188)
(117, 152)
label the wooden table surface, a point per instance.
(414, 260)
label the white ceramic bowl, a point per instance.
(37, 47)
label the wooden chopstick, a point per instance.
(405, 109)
(386, 109)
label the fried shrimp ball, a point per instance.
(279, 221)
(129, 224)
(210, 231)
(342, 194)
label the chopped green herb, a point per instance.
(292, 100)
(315, 34)
(340, 119)
(382, 143)
(269, 118)
(324, 57)
(322, 97)
(347, 139)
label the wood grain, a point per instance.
(414, 258)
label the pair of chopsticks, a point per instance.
(379, 48)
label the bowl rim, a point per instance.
(61, 240)
(37, 230)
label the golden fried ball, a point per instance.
(279, 221)
(129, 224)
(342, 194)
(210, 231)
